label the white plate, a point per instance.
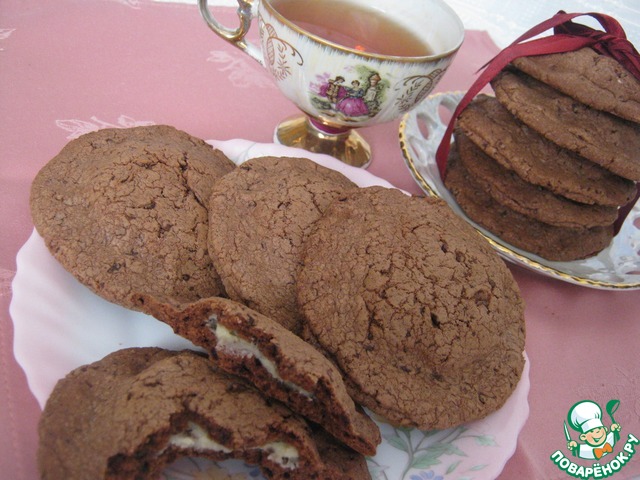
(616, 267)
(60, 325)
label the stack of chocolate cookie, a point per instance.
(547, 162)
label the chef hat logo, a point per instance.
(585, 416)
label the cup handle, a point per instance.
(234, 37)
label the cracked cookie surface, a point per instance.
(422, 317)
(260, 215)
(547, 241)
(124, 211)
(594, 79)
(601, 137)
(537, 160)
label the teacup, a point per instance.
(342, 87)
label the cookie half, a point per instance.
(596, 135)
(414, 307)
(535, 159)
(280, 364)
(135, 411)
(596, 80)
(124, 211)
(508, 189)
(547, 241)
(260, 215)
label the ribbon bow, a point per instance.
(613, 42)
(568, 36)
(599, 452)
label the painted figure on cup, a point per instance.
(353, 104)
(359, 101)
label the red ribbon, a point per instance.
(568, 36)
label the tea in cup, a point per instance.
(347, 63)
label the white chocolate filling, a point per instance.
(231, 343)
(282, 453)
(196, 438)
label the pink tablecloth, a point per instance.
(70, 66)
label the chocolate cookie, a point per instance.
(279, 363)
(259, 217)
(537, 160)
(598, 81)
(414, 307)
(598, 136)
(547, 241)
(508, 189)
(124, 211)
(137, 410)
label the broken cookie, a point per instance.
(135, 411)
(279, 363)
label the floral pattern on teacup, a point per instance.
(416, 88)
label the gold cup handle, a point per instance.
(234, 37)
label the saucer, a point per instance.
(617, 267)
